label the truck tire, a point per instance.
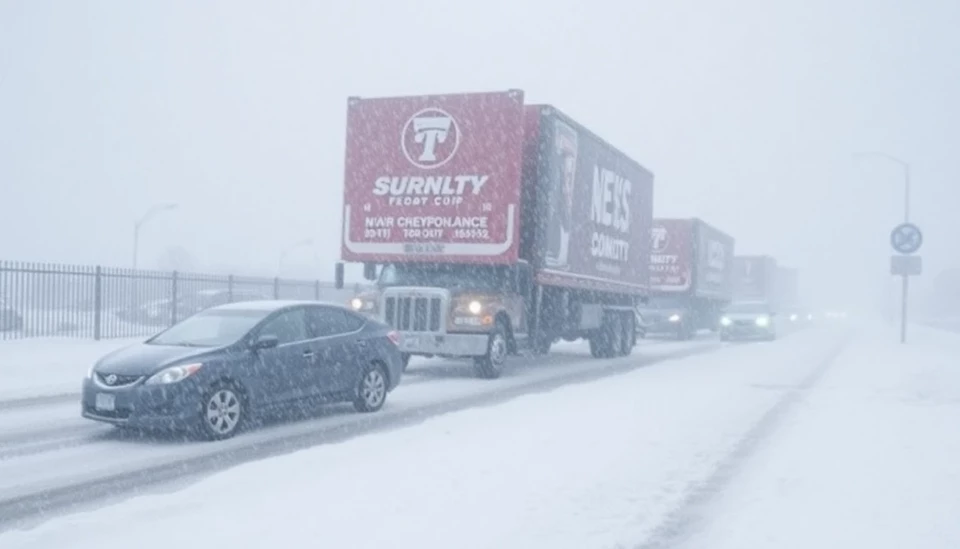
(605, 343)
(629, 335)
(541, 345)
(490, 366)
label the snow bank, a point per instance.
(49, 366)
(870, 458)
(583, 466)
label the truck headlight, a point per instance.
(674, 318)
(793, 317)
(725, 321)
(475, 307)
(763, 321)
(360, 304)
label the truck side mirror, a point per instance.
(338, 275)
(370, 271)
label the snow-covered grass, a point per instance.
(49, 366)
(871, 458)
(582, 466)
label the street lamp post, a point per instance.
(154, 210)
(290, 248)
(906, 219)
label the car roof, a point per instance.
(270, 305)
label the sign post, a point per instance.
(906, 240)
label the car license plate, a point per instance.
(106, 402)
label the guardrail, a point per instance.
(96, 302)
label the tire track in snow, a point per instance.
(690, 511)
(31, 508)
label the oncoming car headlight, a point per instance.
(173, 374)
(725, 321)
(763, 321)
(674, 318)
(475, 307)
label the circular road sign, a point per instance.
(906, 238)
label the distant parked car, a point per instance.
(159, 312)
(10, 319)
(216, 369)
(194, 302)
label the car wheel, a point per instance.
(372, 389)
(490, 366)
(223, 412)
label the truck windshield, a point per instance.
(479, 277)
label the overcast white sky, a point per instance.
(747, 111)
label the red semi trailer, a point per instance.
(493, 227)
(691, 277)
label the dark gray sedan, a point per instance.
(216, 369)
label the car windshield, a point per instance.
(479, 277)
(748, 308)
(210, 328)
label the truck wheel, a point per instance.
(491, 365)
(629, 335)
(542, 344)
(606, 342)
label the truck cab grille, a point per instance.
(414, 311)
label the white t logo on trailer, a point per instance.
(422, 134)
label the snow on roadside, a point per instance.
(869, 459)
(50, 366)
(583, 466)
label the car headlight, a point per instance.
(725, 321)
(173, 374)
(763, 321)
(674, 318)
(793, 318)
(356, 303)
(475, 307)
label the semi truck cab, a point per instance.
(454, 310)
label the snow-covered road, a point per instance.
(870, 459)
(584, 465)
(51, 458)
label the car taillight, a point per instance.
(394, 337)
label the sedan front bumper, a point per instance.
(141, 406)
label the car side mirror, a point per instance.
(266, 342)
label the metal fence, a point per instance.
(94, 302)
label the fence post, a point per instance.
(276, 288)
(230, 288)
(173, 300)
(97, 301)
(316, 290)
